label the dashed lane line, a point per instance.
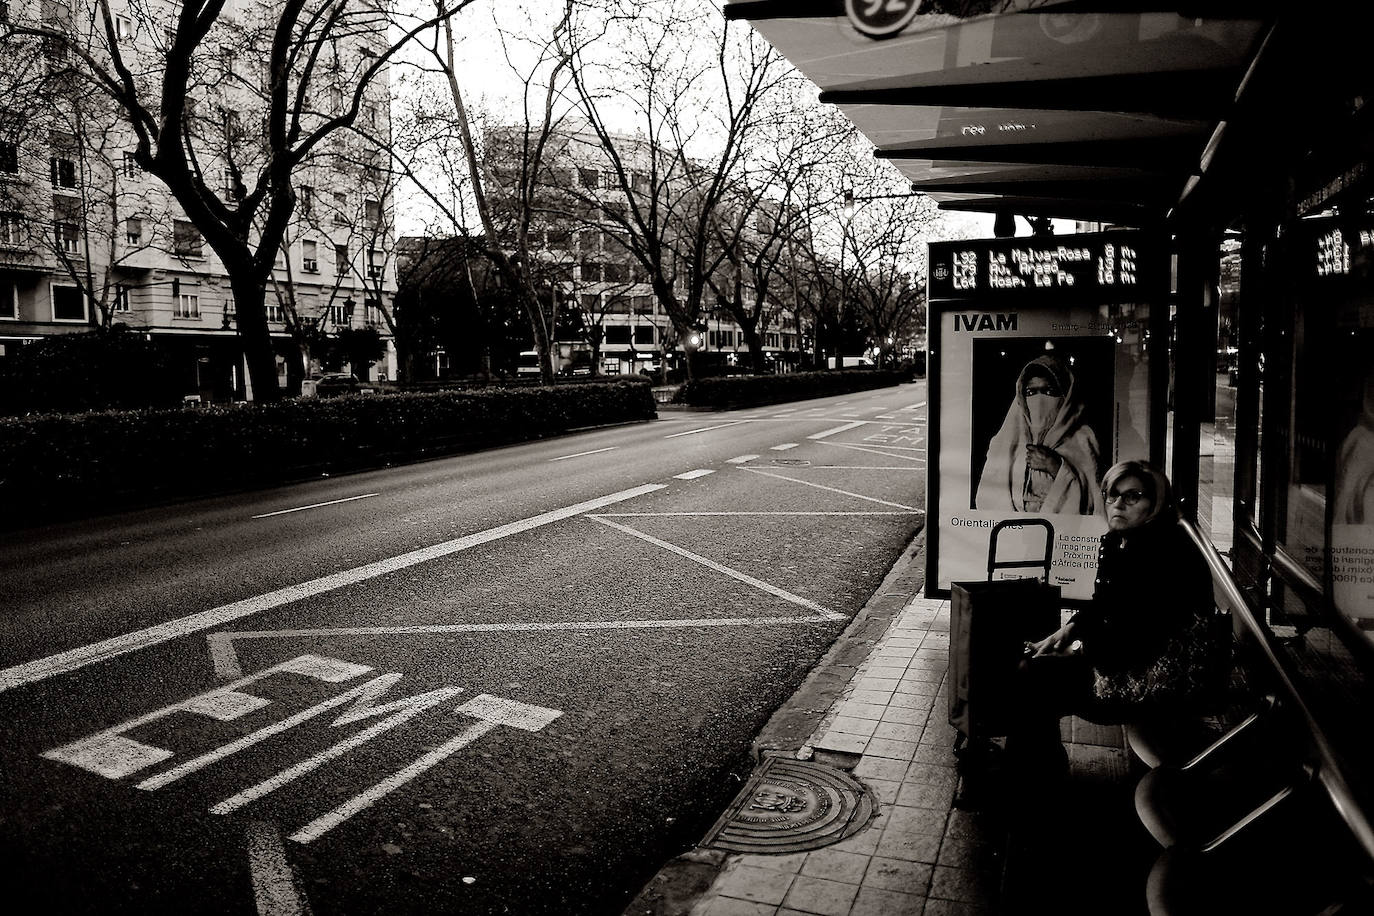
(332, 502)
(741, 459)
(872, 499)
(693, 475)
(784, 447)
(704, 429)
(595, 451)
(63, 662)
(842, 428)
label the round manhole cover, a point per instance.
(790, 806)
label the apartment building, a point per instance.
(581, 251)
(87, 238)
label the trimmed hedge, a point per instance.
(65, 463)
(757, 390)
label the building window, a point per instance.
(232, 186)
(9, 157)
(124, 27)
(370, 115)
(63, 171)
(617, 334)
(588, 178)
(373, 213)
(372, 312)
(186, 239)
(336, 100)
(589, 240)
(9, 300)
(591, 271)
(307, 200)
(275, 314)
(67, 237)
(560, 238)
(334, 314)
(376, 264)
(614, 273)
(133, 230)
(130, 166)
(340, 208)
(341, 259)
(11, 228)
(121, 298)
(591, 302)
(310, 256)
(644, 334)
(187, 305)
(68, 303)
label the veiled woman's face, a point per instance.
(1128, 504)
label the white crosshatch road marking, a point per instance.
(225, 658)
(42, 668)
(872, 499)
(873, 450)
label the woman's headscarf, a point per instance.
(1006, 481)
(1152, 480)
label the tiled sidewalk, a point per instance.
(920, 855)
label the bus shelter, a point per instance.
(1237, 139)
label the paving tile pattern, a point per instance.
(921, 855)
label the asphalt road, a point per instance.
(514, 681)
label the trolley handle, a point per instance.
(1044, 562)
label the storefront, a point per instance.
(1240, 137)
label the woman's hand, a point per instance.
(1040, 458)
(1057, 643)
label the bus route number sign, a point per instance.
(880, 18)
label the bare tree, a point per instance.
(695, 88)
(801, 139)
(229, 104)
(506, 205)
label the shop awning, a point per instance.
(1073, 109)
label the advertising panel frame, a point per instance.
(1093, 305)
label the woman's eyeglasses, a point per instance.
(1128, 498)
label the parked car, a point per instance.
(341, 383)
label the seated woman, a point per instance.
(1140, 648)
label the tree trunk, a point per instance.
(249, 303)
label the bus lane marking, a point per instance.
(490, 711)
(63, 662)
(110, 754)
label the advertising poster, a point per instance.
(1041, 381)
